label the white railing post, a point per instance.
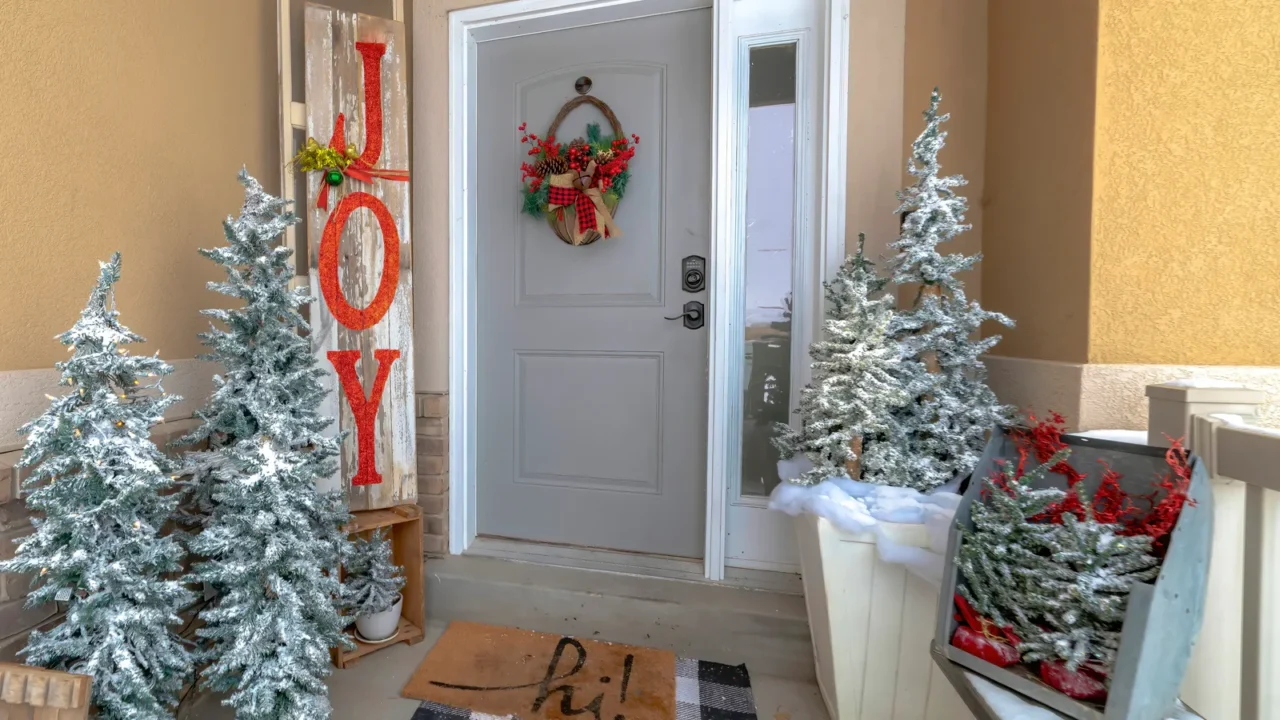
(1216, 684)
(1171, 406)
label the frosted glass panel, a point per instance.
(770, 235)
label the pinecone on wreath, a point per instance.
(547, 167)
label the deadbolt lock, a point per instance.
(693, 275)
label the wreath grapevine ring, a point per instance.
(577, 186)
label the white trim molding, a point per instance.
(1096, 396)
(753, 536)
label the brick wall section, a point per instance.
(433, 471)
(16, 620)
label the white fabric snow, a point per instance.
(858, 507)
(1202, 382)
(1238, 421)
(1009, 705)
(1136, 437)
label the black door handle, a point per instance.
(692, 315)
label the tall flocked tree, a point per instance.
(101, 492)
(940, 433)
(270, 535)
(854, 386)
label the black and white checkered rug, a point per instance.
(704, 691)
(711, 691)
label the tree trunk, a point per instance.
(853, 465)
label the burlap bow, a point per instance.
(574, 189)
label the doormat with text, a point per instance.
(476, 672)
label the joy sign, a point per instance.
(358, 235)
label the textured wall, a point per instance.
(1039, 165)
(125, 122)
(946, 48)
(1185, 256)
(1097, 396)
(430, 152)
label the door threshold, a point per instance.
(664, 567)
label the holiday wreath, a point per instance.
(577, 186)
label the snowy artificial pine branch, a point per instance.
(1080, 598)
(998, 557)
(268, 539)
(100, 492)
(373, 580)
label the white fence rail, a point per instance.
(1235, 668)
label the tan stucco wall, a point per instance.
(1185, 257)
(1039, 166)
(125, 122)
(946, 47)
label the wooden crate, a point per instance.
(1162, 617)
(28, 693)
(404, 527)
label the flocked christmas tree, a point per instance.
(854, 386)
(102, 492)
(373, 580)
(271, 541)
(940, 433)
(1079, 597)
(999, 556)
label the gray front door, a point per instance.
(591, 425)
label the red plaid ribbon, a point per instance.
(581, 203)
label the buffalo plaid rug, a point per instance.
(704, 691)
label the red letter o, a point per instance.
(328, 265)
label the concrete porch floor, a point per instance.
(693, 619)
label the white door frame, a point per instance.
(522, 17)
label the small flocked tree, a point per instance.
(373, 580)
(854, 386)
(999, 556)
(1078, 597)
(102, 492)
(942, 430)
(270, 543)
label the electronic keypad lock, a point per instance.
(693, 273)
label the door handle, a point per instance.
(692, 315)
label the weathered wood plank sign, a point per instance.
(358, 247)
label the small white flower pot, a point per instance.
(380, 626)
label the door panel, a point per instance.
(591, 424)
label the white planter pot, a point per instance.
(380, 626)
(872, 623)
